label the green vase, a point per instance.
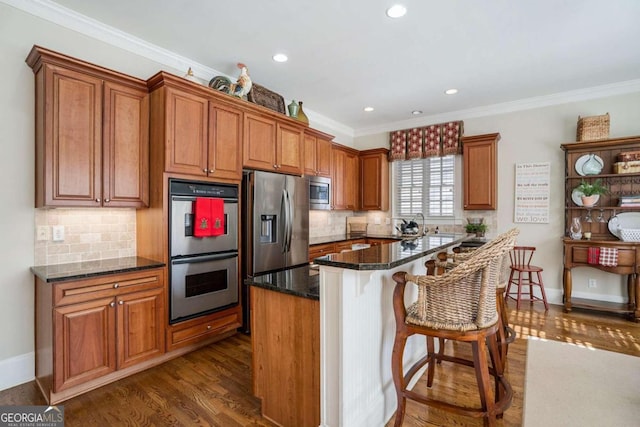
(293, 109)
(301, 115)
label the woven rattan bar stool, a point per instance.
(522, 274)
(457, 305)
(446, 261)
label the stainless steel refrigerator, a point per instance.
(275, 226)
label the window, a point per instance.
(425, 185)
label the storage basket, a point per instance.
(627, 156)
(593, 128)
(630, 234)
(626, 167)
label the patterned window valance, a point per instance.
(427, 141)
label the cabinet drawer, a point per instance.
(316, 251)
(626, 257)
(106, 286)
(193, 331)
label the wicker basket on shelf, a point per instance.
(593, 128)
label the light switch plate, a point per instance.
(42, 232)
(58, 233)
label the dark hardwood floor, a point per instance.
(212, 386)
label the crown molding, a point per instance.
(596, 92)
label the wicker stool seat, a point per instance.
(458, 305)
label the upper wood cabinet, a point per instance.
(344, 177)
(196, 134)
(480, 158)
(92, 127)
(271, 145)
(374, 179)
(317, 153)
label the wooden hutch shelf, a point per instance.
(595, 220)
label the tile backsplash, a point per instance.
(89, 234)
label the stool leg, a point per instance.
(398, 376)
(441, 342)
(431, 351)
(531, 288)
(510, 282)
(519, 290)
(481, 365)
(544, 296)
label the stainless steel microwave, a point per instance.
(319, 192)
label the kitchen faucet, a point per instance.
(424, 230)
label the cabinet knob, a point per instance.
(107, 200)
(112, 304)
(116, 285)
(97, 199)
(275, 166)
(120, 302)
(205, 170)
(212, 170)
(208, 327)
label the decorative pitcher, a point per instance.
(575, 231)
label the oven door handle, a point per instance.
(204, 258)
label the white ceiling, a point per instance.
(347, 54)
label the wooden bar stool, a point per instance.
(457, 305)
(522, 274)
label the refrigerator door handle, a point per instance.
(290, 220)
(285, 233)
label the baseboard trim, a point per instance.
(17, 370)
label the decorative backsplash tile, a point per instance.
(89, 234)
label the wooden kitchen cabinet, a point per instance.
(271, 145)
(374, 180)
(480, 162)
(322, 249)
(93, 331)
(202, 136)
(92, 134)
(345, 177)
(317, 153)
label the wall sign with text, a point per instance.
(532, 193)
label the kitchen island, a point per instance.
(356, 327)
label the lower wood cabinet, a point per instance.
(87, 331)
(285, 338)
(204, 328)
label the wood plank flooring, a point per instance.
(212, 386)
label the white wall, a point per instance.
(535, 135)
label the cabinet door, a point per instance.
(310, 155)
(480, 162)
(337, 179)
(186, 133)
(374, 181)
(225, 142)
(71, 157)
(259, 143)
(85, 342)
(140, 326)
(351, 181)
(125, 146)
(289, 149)
(323, 158)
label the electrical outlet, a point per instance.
(377, 221)
(387, 221)
(42, 233)
(58, 233)
(592, 283)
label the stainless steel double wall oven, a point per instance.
(203, 271)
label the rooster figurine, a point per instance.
(239, 89)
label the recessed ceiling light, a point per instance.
(396, 11)
(368, 109)
(416, 112)
(451, 91)
(280, 57)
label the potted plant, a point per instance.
(591, 191)
(479, 229)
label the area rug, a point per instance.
(569, 385)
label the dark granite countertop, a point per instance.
(384, 257)
(346, 236)
(86, 269)
(300, 281)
